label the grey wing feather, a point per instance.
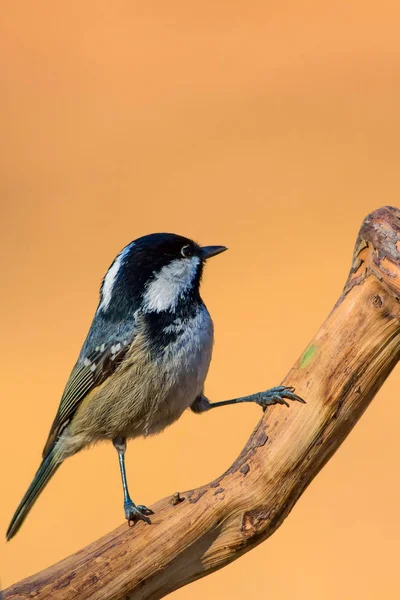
(90, 371)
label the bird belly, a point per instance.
(181, 371)
(148, 392)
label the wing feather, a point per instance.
(90, 371)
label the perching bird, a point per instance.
(143, 362)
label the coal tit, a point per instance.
(144, 361)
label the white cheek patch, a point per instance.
(110, 278)
(167, 286)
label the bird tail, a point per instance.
(46, 470)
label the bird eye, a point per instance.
(186, 251)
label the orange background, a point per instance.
(271, 127)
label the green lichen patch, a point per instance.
(308, 356)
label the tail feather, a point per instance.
(46, 470)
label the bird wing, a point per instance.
(93, 367)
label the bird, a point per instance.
(143, 362)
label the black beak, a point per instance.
(209, 251)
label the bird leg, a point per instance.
(133, 512)
(276, 395)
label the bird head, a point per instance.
(155, 273)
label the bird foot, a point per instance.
(277, 395)
(134, 513)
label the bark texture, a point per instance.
(204, 529)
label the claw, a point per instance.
(279, 400)
(135, 513)
(143, 509)
(278, 395)
(295, 397)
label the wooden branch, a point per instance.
(338, 375)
